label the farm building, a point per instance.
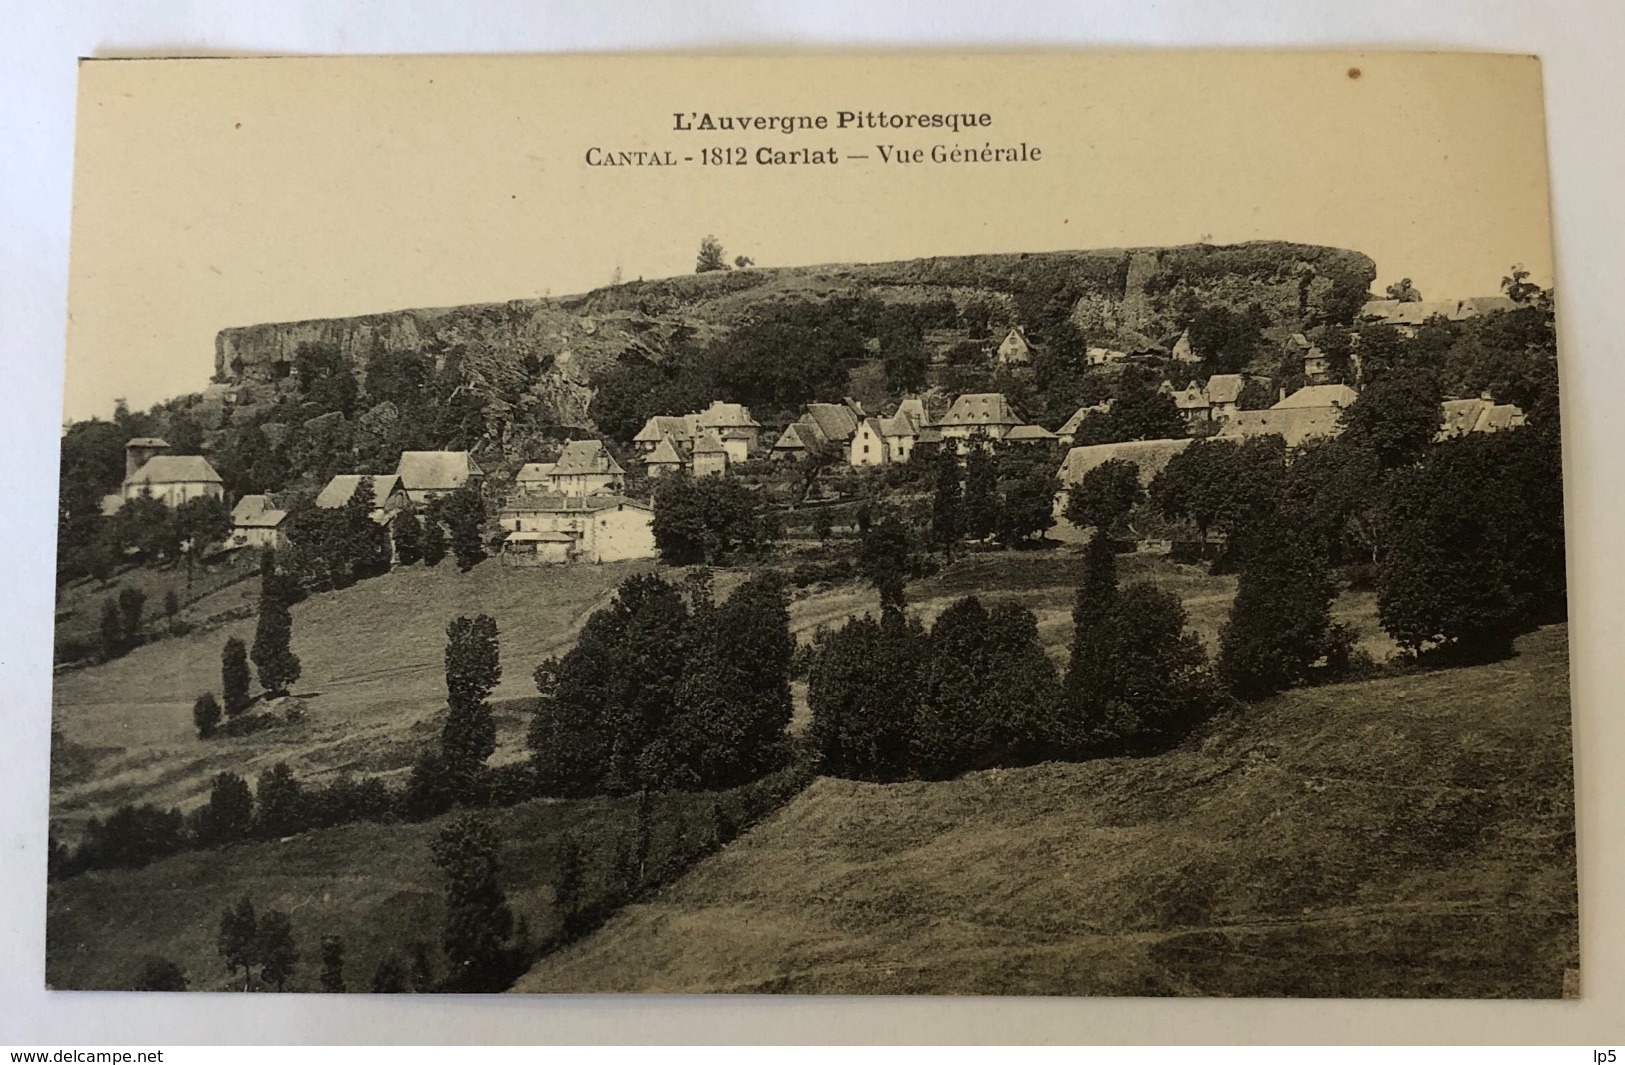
(1030, 434)
(599, 528)
(1150, 456)
(427, 475)
(389, 496)
(255, 523)
(1068, 432)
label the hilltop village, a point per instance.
(593, 500)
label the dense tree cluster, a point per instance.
(708, 520)
(667, 689)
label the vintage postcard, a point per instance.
(971, 524)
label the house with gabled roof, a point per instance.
(256, 523)
(1148, 457)
(1067, 434)
(837, 422)
(584, 467)
(1223, 392)
(1458, 417)
(175, 479)
(1014, 349)
(731, 422)
(1030, 434)
(1294, 425)
(985, 414)
(798, 438)
(556, 527)
(678, 428)
(664, 459)
(1191, 402)
(1338, 396)
(881, 441)
(427, 475)
(709, 455)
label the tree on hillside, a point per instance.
(238, 941)
(735, 704)
(981, 500)
(1027, 483)
(607, 700)
(473, 668)
(1105, 496)
(883, 558)
(947, 502)
(206, 715)
(280, 806)
(110, 633)
(1226, 339)
(1088, 666)
(1256, 394)
(228, 817)
(1397, 416)
(1279, 619)
(711, 257)
(434, 540)
(1151, 685)
(479, 921)
(332, 963)
(274, 660)
(704, 519)
(1222, 484)
(864, 692)
(1140, 412)
(278, 956)
(1403, 291)
(408, 536)
(1458, 573)
(200, 523)
(1517, 286)
(234, 676)
(463, 512)
(132, 603)
(989, 689)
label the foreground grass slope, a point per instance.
(1396, 837)
(373, 682)
(375, 885)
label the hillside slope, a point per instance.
(1399, 837)
(543, 353)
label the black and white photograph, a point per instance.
(981, 524)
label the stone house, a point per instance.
(550, 526)
(710, 455)
(584, 467)
(986, 414)
(1014, 349)
(255, 523)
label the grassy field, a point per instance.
(372, 685)
(373, 884)
(1405, 836)
(373, 680)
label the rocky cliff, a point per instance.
(543, 354)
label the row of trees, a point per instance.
(891, 699)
